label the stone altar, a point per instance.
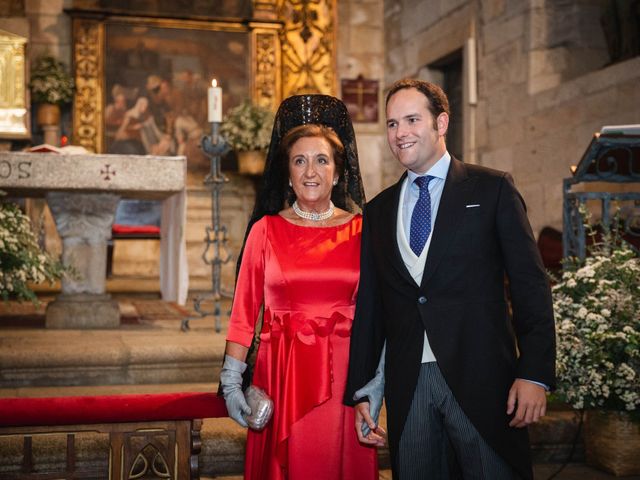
(83, 192)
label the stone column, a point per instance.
(84, 223)
(51, 134)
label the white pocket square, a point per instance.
(473, 205)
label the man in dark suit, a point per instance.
(463, 376)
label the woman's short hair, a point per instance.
(317, 131)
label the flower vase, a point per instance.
(251, 162)
(612, 442)
(48, 117)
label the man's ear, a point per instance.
(443, 123)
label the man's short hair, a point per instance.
(438, 102)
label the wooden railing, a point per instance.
(150, 436)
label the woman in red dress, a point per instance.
(300, 263)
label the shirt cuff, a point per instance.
(546, 387)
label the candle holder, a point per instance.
(214, 147)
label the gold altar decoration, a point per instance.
(88, 56)
(308, 46)
(13, 111)
(292, 42)
(265, 9)
(266, 67)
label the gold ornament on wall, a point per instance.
(308, 46)
(88, 41)
(266, 82)
(13, 111)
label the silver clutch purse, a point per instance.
(261, 407)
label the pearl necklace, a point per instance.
(313, 216)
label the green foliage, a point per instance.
(597, 309)
(247, 127)
(21, 259)
(50, 81)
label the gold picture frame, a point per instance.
(257, 42)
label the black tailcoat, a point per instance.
(480, 346)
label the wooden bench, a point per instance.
(149, 435)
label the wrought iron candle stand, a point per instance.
(214, 147)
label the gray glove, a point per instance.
(231, 381)
(375, 391)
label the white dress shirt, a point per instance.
(409, 194)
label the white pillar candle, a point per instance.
(215, 102)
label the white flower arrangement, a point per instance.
(21, 259)
(50, 81)
(597, 309)
(247, 127)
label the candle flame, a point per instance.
(214, 83)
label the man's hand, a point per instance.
(377, 435)
(531, 400)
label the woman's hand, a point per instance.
(231, 382)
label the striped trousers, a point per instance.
(439, 442)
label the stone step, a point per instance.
(132, 354)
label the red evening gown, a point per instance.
(307, 278)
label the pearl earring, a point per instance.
(290, 184)
(335, 182)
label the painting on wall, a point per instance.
(156, 80)
(156, 86)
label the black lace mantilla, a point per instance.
(301, 110)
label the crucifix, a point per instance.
(364, 92)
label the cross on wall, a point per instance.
(359, 94)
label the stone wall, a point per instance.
(543, 85)
(44, 23)
(543, 90)
(50, 28)
(361, 52)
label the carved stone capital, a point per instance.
(83, 217)
(84, 223)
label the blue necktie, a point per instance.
(421, 216)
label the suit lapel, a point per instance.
(390, 213)
(457, 188)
